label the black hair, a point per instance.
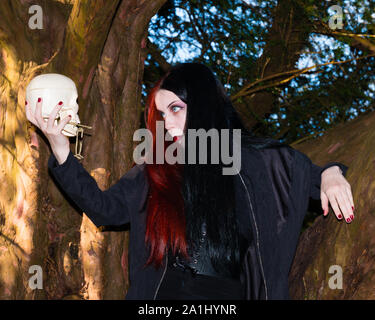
(209, 195)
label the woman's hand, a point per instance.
(335, 188)
(59, 142)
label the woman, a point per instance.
(196, 233)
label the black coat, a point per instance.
(273, 191)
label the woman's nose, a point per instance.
(168, 122)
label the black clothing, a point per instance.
(200, 263)
(197, 279)
(273, 187)
(188, 281)
(179, 284)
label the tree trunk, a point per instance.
(286, 38)
(101, 46)
(330, 242)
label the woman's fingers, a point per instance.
(340, 205)
(324, 202)
(29, 114)
(350, 197)
(338, 191)
(47, 127)
(52, 116)
(63, 123)
(345, 206)
(38, 114)
(334, 204)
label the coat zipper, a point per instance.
(256, 229)
(162, 277)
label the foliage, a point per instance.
(229, 36)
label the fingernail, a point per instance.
(348, 220)
(352, 208)
(60, 103)
(70, 116)
(351, 217)
(339, 216)
(25, 103)
(39, 99)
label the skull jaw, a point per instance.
(70, 129)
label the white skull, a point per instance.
(53, 88)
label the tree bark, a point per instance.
(330, 242)
(101, 46)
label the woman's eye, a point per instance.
(174, 108)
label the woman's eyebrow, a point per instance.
(171, 103)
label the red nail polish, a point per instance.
(339, 216)
(60, 103)
(39, 99)
(25, 103)
(348, 220)
(352, 208)
(351, 217)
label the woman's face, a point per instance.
(173, 111)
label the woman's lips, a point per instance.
(176, 138)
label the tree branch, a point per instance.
(85, 35)
(157, 56)
(296, 73)
(321, 28)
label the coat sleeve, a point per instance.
(108, 207)
(316, 173)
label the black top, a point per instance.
(198, 279)
(273, 188)
(186, 285)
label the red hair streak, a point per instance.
(165, 223)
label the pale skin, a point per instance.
(173, 110)
(334, 189)
(59, 142)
